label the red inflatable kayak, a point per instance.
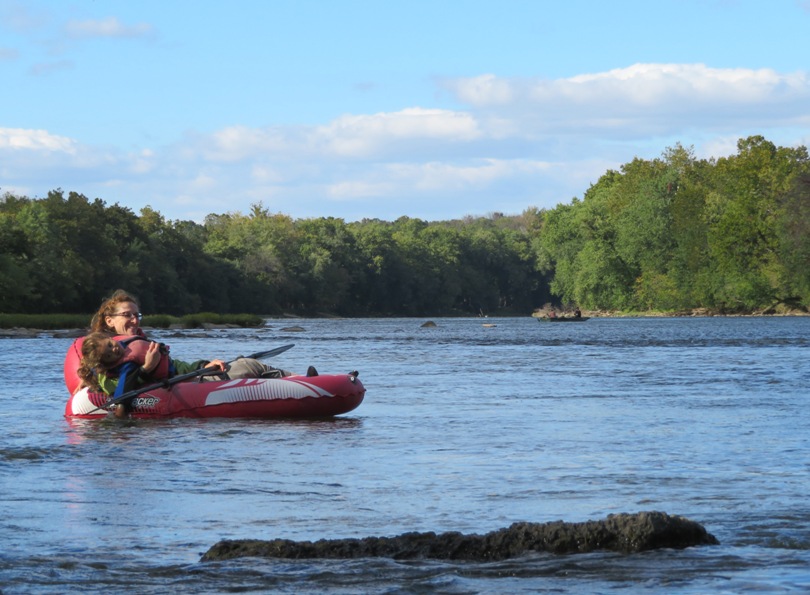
(326, 395)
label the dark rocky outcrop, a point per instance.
(618, 532)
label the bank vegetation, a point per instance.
(672, 234)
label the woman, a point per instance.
(120, 314)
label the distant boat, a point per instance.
(563, 319)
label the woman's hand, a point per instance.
(219, 364)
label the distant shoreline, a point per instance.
(696, 313)
(72, 333)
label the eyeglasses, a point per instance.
(137, 315)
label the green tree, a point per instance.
(263, 247)
(795, 242)
(419, 283)
(579, 242)
(744, 217)
(329, 259)
(15, 283)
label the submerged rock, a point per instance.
(618, 532)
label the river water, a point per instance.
(465, 427)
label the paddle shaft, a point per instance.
(176, 379)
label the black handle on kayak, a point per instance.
(176, 379)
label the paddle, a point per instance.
(175, 379)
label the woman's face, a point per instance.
(126, 320)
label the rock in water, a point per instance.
(618, 532)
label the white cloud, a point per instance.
(35, 140)
(266, 174)
(143, 162)
(350, 189)
(720, 146)
(109, 27)
(235, 143)
(485, 90)
(392, 180)
(204, 181)
(359, 135)
(668, 84)
(641, 99)
(638, 85)
(346, 137)
(458, 176)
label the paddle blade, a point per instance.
(270, 352)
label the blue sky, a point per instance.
(368, 109)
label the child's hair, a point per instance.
(93, 360)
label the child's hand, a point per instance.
(152, 357)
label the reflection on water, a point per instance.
(464, 427)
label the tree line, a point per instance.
(666, 234)
(63, 253)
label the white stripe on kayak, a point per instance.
(264, 390)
